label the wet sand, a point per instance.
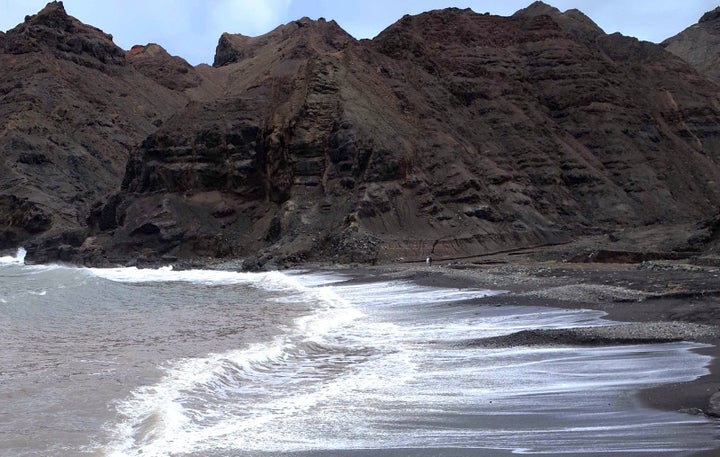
(664, 301)
(458, 452)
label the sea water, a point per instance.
(127, 362)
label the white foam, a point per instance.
(17, 259)
(173, 429)
(275, 368)
(177, 428)
(403, 293)
(166, 274)
(132, 275)
(344, 375)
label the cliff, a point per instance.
(452, 132)
(71, 109)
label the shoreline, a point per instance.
(661, 302)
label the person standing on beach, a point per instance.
(428, 261)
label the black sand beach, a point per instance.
(653, 302)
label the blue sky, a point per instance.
(191, 28)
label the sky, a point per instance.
(191, 28)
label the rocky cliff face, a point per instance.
(451, 132)
(71, 108)
(699, 45)
(563, 134)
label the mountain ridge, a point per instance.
(72, 108)
(452, 133)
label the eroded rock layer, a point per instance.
(71, 109)
(452, 133)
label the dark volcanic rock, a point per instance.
(301, 39)
(187, 190)
(230, 168)
(561, 135)
(451, 132)
(71, 109)
(710, 16)
(706, 235)
(66, 37)
(635, 333)
(18, 218)
(573, 22)
(713, 408)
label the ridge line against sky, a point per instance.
(191, 28)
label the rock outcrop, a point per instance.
(169, 71)
(573, 21)
(451, 132)
(71, 109)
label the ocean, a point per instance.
(128, 363)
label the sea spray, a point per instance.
(17, 259)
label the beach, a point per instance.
(652, 302)
(482, 357)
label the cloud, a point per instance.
(249, 17)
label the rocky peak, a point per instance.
(148, 50)
(53, 16)
(538, 8)
(448, 33)
(300, 38)
(53, 30)
(70, 112)
(417, 36)
(710, 16)
(573, 21)
(153, 61)
(230, 49)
